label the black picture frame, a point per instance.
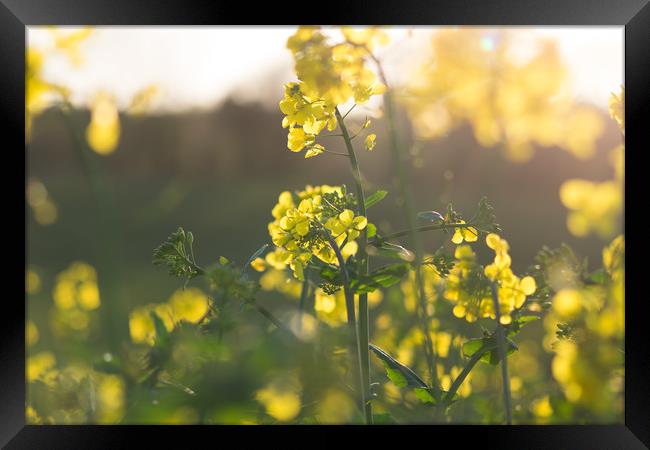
(634, 15)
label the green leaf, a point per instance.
(472, 346)
(383, 419)
(394, 367)
(382, 277)
(108, 364)
(173, 254)
(257, 254)
(431, 216)
(424, 395)
(396, 376)
(389, 250)
(598, 276)
(488, 346)
(525, 319)
(162, 335)
(371, 230)
(375, 198)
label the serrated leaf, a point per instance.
(173, 254)
(406, 375)
(375, 198)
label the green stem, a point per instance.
(363, 332)
(400, 158)
(349, 306)
(304, 293)
(503, 356)
(462, 375)
(441, 226)
(108, 227)
(274, 320)
(263, 311)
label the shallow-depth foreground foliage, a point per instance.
(380, 328)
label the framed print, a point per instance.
(412, 217)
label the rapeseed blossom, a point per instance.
(185, 305)
(328, 75)
(103, 131)
(472, 77)
(304, 224)
(512, 290)
(595, 207)
(588, 361)
(472, 294)
(467, 234)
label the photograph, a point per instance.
(319, 225)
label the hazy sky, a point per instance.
(196, 67)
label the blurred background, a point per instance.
(180, 126)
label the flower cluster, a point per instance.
(469, 287)
(76, 296)
(305, 117)
(473, 77)
(595, 207)
(103, 131)
(467, 234)
(304, 225)
(617, 108)
(329, 75)
(589, 321)
(512, 290)
(188, 305)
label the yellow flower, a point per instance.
(302, 232)
(370, 141)
(594, 207)
(190, 305)
(329, 75)
(141, 326)
(588, 360)
(103, 132)
(617, 108)
(473, 78)
(281, 398)
(468, 234)
(76, 288)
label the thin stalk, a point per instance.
(363, 332)
(399, 159)
(349, 306)
(263, 311)
(440, 226)
(108, 226)
(462, 375)
(501, 348)
(304, 293)
(274, 320)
